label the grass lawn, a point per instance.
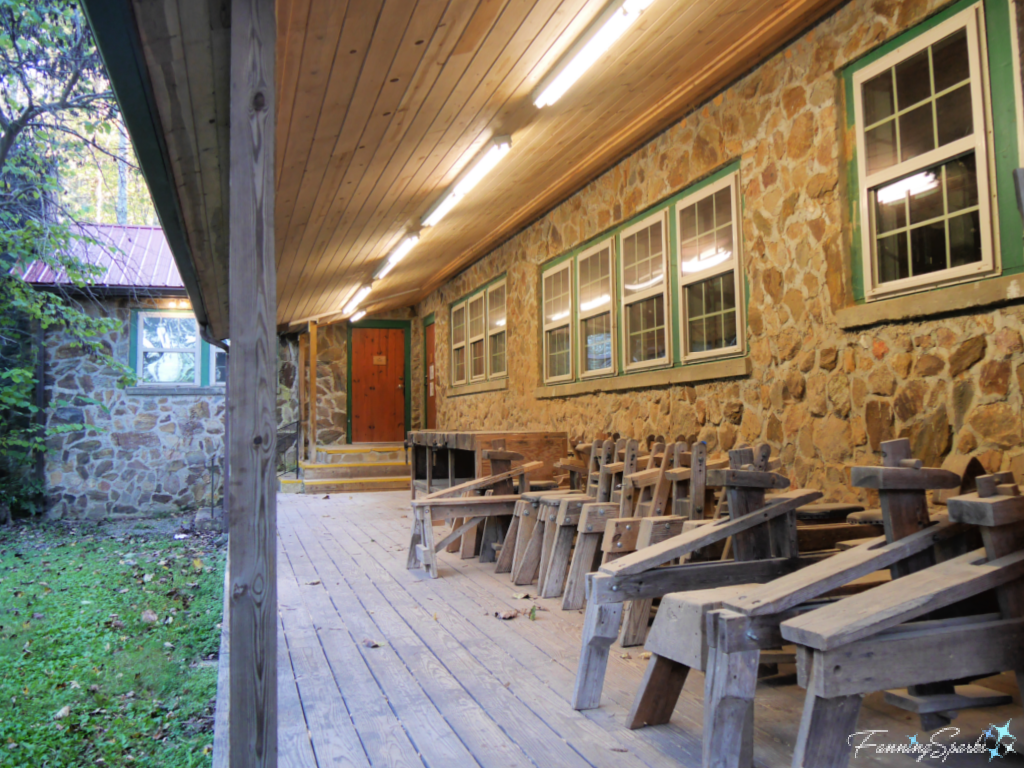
(107, 647)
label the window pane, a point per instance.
(956, 116)
(880, 145)
(595, 280)
(597, 342)
(926, 201)
(711, 313)
(556, 296)
(688, 223)
(964, 239)
(878, 98)
(220, 367)
(950, 61)
(168, 332)
(917, 135)
(928, 248)
(476, 317)
(890, 215)
(498, 353)
(961, 183)
(706, 214)
(645, 329)
(459, 325)
(893, 262)
(476, 351)
(459, 361)
(558, 352)
(496, 308)
(913, 80)
(642, 260)
(169, 367)
(723, 206)
(711, 241)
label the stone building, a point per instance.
(156, 445)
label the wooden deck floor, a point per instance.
(450, 685)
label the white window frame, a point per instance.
(551, 326)
(973, 19)
(461, 345)
(480, 337)
(214, 351)
(659, 362)
(731, 181)
(141, 349)
(585, 314)
(491, 334)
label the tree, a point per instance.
(54, 100)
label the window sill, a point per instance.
(687, 374)
(938, 301)
(185, 390)
(480, 386)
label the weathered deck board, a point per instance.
(450, 684)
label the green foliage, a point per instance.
(75, 633)
(54, 101)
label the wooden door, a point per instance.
(428, 334)
(378, 385)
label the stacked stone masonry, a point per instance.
(139, 454)
(824, 398)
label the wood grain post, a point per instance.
(311, 432)
(252, 391)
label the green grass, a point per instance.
(72, 635)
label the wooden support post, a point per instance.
(311, 430)
(252, 390)
(300, 428)
(600, 628)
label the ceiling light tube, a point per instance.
(601, 35)
(357, 316)
(482, 164)
(353, 305)
(407, 244)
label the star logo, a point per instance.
(1001, 732)
(913, 739)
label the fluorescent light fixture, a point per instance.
(608, 27)
(706, 260)
(600, 301)
(913, 185)
(398, 254)
(356, 300)
(481, 165)
(357, 316)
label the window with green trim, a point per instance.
(708, 270)
(645, 292)
(922, 128)
(596, 322)
(166, 350)
(558, 308)
(479, 335)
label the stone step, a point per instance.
(356, 484)
(360, 454)
(289, 485)
(397, 469)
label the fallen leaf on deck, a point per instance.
(371, 643)
(506, 615)
(312, 583)
(533, 613)
(327, 497)
(618, 749)
(520, 596)
(435, 617)
(61, 713)
(645, 655)
(625, 656)
(149, 616)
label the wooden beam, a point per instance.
(300, 379)
(252, 390)
(311, 453)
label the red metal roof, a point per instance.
(132, 257)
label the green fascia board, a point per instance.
(405, 325)
(1002, 68)
(117, 36)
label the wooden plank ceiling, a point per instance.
(384, 102)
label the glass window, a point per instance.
(169, 348)
(596, 329)
(496, 316)
(459, 344)
(218, 366)
(708, 270)
(923, 164)
(557, 302)
(476, 338)
(643, 289)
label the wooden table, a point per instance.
(441, 459)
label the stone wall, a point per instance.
(142, 452)
(822, 397)
(332, 377)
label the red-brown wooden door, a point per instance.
(428, 334)
(378, 385)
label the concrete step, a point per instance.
(356, 484)
(398, 469)
(289, 484)
(360, 454)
